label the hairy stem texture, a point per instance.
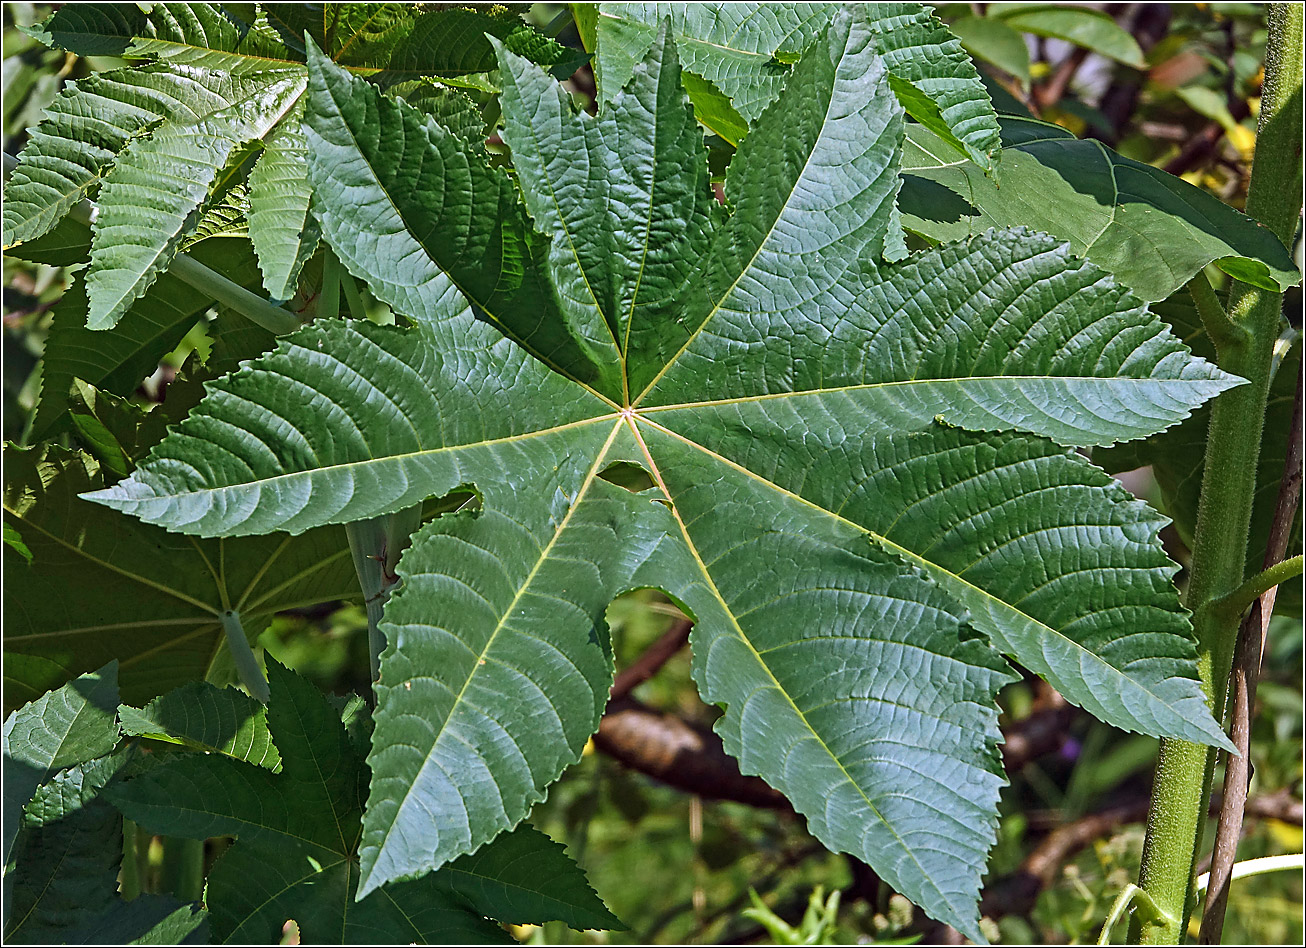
(1183, 777)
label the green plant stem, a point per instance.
(1234, 604)
(130, 878)
(209, 282)
(247, 666)
(1129, 895)
(376, 545)
(1219, 327)
(183, 867)
(1183, 777)
(328, 302)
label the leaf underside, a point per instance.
(864, 488)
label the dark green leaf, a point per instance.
(103, 586)
(71, 725)
(297, 835)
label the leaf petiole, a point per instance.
(247, 666)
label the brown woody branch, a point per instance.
(690, 757)
(653, 658)
(1246, 673)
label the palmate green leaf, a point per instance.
(150, 197)
(739, 56)
(70, 725)
(297, 835)
(103, 586)
(200, 716)
(1148, 229)
(89, 125)
(861, 484)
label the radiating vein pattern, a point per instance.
(812, 191)
(862, 493)
(585, 181)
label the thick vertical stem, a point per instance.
(130, 875)
(376, 545)
(1183, 778)
(183, 867)
(1246, 673)
(247, 666)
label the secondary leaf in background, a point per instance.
(74, 787)
(65, 876)
(103, 586)
(992, 40)
(1095, 30)
(744, 52)
(297, 836)
(67, 726)
(149, 198)
(194, 34)
(117, 362)
(1148, 229)
(90, 124)
(816, 506)
(14, 540)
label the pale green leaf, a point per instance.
(1148, 229)
(861, 493)
(283, 232)
(89, 125)
(149, 199)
